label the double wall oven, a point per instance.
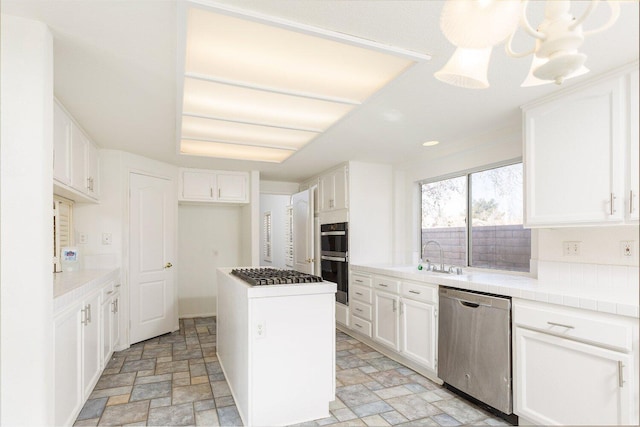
(334, 257)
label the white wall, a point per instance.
(279, 187)
(208, 237)
(277, 205)
(26, 248)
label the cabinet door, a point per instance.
(93, 176)
(419, 332)
(78, 159)
(564, 382)
(61, 145)
(91, 354)
(327, 192)
(340, 189)
(386, 327)
(198, 185)
(574, 158)
(633, 205)
(232, 187)
(106, 332)
(67, 362)
(115, 321)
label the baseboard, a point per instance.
(193, 316)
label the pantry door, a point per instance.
(303, 257)
(153, 308)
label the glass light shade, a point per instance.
(233, 151)
(532, 80)
(479, 23)
(467, 68)
(560, 66)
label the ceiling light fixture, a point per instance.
(430, 143)
(257, 88)
(476, 26)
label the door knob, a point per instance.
(168, 265)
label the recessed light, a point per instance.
(430, 143)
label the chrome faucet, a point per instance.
(424, 247)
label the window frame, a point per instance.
(468, 221)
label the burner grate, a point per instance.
(273, 276)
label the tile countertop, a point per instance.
(71, 287)
(516, 286)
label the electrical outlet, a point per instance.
(260, 330)
(626, 248)
(571, 248)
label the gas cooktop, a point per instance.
(273, 276)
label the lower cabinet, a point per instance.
(85, 335)
(68, 357)
(574, 367)
(404, 319)
(419, 328)
(386, 328)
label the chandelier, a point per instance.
(476, 26)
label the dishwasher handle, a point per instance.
(470, 304)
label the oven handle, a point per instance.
(333, 233)
(332, 258)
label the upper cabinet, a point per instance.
(75, 159)
(198, 185)
(334, 194)
(577, 157)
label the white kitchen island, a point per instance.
(276, 346)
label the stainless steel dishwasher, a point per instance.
(474, 346)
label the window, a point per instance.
(62, 226)
(476, 220)
(267, 249)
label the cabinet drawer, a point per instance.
(361, 310)
(108, 290)
(361, 280)
(360, 325)
(580, 325)
(385, 284)
(420, 292)
(360, 293)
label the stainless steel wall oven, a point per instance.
(334, 257)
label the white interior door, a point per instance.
(152, 249)
(303, 257)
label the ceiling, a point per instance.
(116, 71)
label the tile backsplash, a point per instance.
(620, 282)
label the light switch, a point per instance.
(82, 238)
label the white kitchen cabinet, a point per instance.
(197, 185)
(91, 356)
(590, 354)
(232, 187)
(77, 356)
(75, 159)
(633, 181)
(386, 326)
(110, 324)
(360, 299)
(61, 145)
(576, 154)
(334, 190)
(67, 362)
(419, 332)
